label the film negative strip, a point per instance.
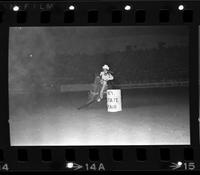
(99, 86)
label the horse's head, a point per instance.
(97, 79)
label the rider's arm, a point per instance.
(110, 77)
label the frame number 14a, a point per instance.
(87, 166)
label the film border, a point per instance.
(144, 13)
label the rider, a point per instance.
(105, 77)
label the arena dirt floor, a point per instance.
(158, 116)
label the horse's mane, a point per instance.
(96, 87)
(97, 84)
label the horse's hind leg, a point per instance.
(92, 100)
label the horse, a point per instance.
(94, 93)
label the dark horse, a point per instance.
(93, 94)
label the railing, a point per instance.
(154, 85)
(87, 87)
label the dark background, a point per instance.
(42, 59)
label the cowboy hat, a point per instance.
(106, 67)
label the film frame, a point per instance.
(100, 158)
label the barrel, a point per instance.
(114, 102)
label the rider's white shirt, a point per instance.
(106, 76)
